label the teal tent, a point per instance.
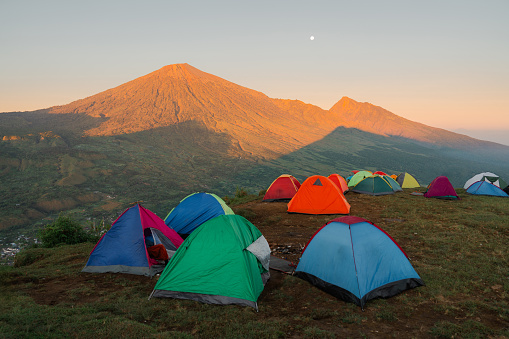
(373, 185)
(394, 184)
(224, 261)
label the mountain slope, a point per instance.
(375, 119)
(179, 93)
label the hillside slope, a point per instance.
(375, 119)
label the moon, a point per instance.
(311, 38)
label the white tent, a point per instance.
(485, 176)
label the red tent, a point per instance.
(283, 188)
(339, 181)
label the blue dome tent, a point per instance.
(486, 188)
(355, 260)
(194, 210)
(125, 248)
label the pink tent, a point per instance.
(441, 188)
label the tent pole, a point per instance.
(151, 294)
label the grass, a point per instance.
(459, 248)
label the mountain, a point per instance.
(179, 130)
(259, 125)
(181, 93)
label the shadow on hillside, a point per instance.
(159, 166)
(69, 125)
(347, 149)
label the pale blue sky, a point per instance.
(442, 63)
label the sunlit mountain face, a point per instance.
(258, 125)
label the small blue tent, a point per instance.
(124, 248)
(355, 260)
(194, 210)
(486, 188)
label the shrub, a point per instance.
(64, 230)
(240, 192)
(95, 230)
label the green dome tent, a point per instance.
(357, 177)
(373, 185)
(224, 261)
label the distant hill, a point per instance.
(179, 130)
(374, 119)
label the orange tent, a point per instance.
(283, 188)
(319, 195)
(339, 181)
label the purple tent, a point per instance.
(441, 188)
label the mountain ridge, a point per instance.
(262, 126)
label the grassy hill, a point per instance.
(459, 248)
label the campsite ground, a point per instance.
(459, 248)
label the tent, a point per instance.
(486, 188)
(357, 177)
(194, 210)
(124, 248)
(406, 180)
(486, 176)
(319, 195)
(282, 189)
(394, 184)
(339, 181)
(225, 261)
(373, 185)
(441, 188)
(356, 261)
(380, 173)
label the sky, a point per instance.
(442, 63)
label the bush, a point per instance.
(241, 196)
(240, 192)
(64, 230)
(96, 230)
